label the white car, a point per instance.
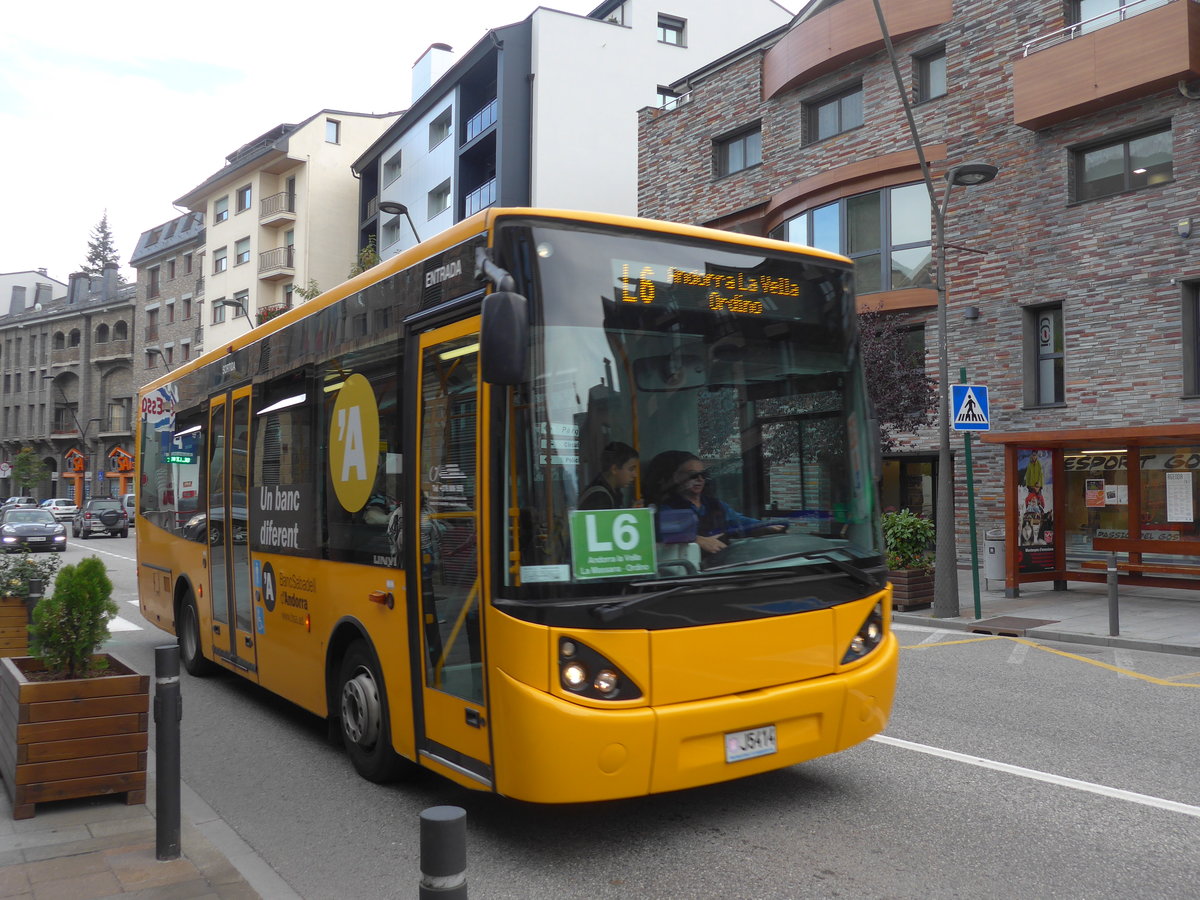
(63, 509)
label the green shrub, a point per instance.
(17, 571)
(906, 537)
(70, 624)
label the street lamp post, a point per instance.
(399, 209)
(945, 573)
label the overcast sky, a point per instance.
(126, 106)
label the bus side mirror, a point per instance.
(504, 338)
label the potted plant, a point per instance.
(22, 581)
(73, 722)
(907, 537)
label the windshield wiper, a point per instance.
(859, 574)
(608, 612)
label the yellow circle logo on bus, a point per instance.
(354, 443)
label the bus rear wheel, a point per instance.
(188, 632)
(366, 726)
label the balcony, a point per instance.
(1110, 59)
(480, 198)
(108, 351)
(61, 356)
(842, 34)
(199, 291)
(266, 313)
(277, 210)
(484, 119)
(277, 264)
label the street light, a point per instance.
(161, 355)
(945, 573)
(237, 305)
(399, 209)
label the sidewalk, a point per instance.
(1149, 618)
(99, 847)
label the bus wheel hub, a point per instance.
(362, 715)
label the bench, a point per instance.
(1114, 567)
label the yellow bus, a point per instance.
(371, 506)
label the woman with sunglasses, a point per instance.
(677, 480)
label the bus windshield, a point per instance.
(733, 375)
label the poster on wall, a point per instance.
(1094, 493)
(1179, 497)
(1035, 510)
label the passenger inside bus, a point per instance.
(677, 480)
(618, 470)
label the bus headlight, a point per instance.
(868, 637)
(583, 671)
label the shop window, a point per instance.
(1170, 488)
(1044, 369)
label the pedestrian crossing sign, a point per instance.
(969, 407)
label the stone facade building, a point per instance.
(1072, 279)
(67, 389)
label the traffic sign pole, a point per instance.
(962, 374)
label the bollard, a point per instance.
(1114, 620)
(168, 712)
(444, 853)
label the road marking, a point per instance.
(932, 637)
(92, 549)
(116, 623)
(1124, 661)
(1126, 672)
(1060, 780)
(1019, 652)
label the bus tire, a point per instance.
(365, 723)
(188, 633)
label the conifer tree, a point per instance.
(101, 249)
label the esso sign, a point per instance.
(154, 406)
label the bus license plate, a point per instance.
(748, 744)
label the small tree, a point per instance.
(368, 256)
(906, 537)
(310, 290)
(70, 624)
(101, 249)
(28, 470)
(905, 397)
(16, 572)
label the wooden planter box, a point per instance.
(14, 627)
(65, 739)
(911, 588)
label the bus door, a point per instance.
(454, 706)
(229, 573)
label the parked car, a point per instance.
(62, 508)
(19, 503)
(129, 501)
(34, 529)
(104, 514)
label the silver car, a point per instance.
(62, 508)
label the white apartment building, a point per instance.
(280, 216)
(542, 112)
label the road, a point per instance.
(1010, 768)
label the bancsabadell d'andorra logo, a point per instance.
(354, 443)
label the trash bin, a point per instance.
(993, 557)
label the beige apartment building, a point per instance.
(281, 216)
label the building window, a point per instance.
(333, 131)
(887, 233)
(153, 281)
(667, 98)
(220, 260)
(170, 269)
(187, 264)
(242, 198)
(671, 30)
(241, 252)
(170, 313)
(1191, 338)
(739, 152)
(218, 311)
(439, 198)
(242, 301)
(835, 113)
(391, 168)
(220, 209)
(1128, 164)
(439, 128)
(1094, 14)
(390, 231)
(930, 71)
(1044, 340)
(185, 350)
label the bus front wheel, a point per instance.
(364, 714)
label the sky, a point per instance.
(124, 107)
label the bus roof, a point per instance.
(481, 222)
